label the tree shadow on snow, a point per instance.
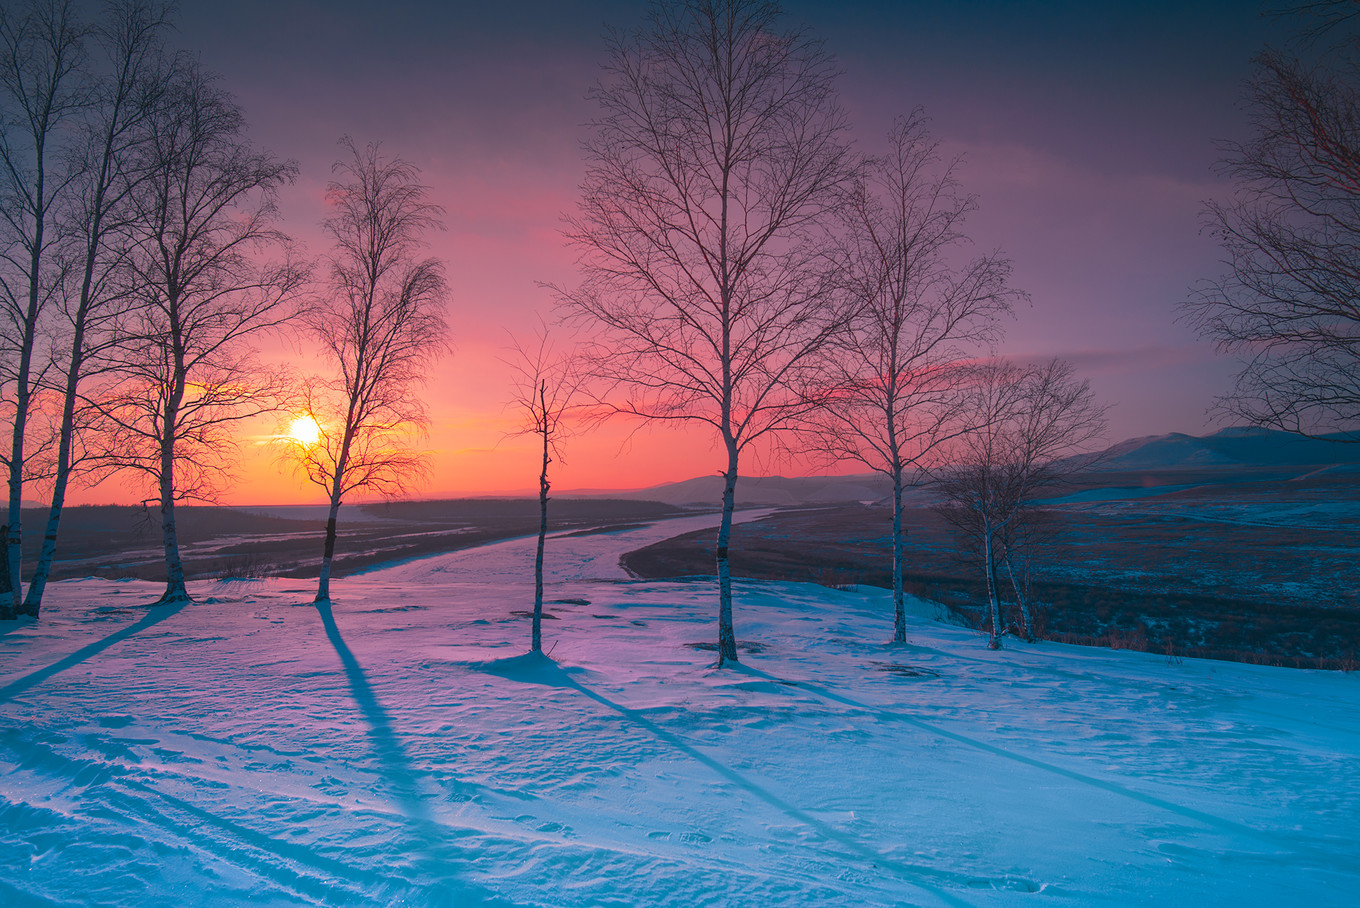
(435, 845)
(392, 757)
(537, 668)
(1105, 785)
(152, 618)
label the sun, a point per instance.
(305, 430)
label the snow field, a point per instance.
(399, 748)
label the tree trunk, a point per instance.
(537, 645)
(13, 536)
(38, 585)
(4, 586)
(727, 638)
(23, 393)
(993, 602)
(175, 590)
(899, 605)
(323, 586)
(1027, 624)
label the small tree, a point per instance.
(1026, 423)
(1015, 548)
(41, 89)
(893, 376)
(1289, 302)
(546, 387)
(380, 327)
(712, 175)
(203, 215)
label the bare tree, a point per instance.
(125, 91)
(1026, 425)
(921, 310)
(546, 389)
(715, 167)
(1289, 303)
(204, 215)
(380, 327)
(40, 89)
(1016, 545)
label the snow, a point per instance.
(402, 749)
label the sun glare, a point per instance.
(305, 430)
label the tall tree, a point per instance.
(204, 216)
(380, 327)
(128, 77)
(1025, 425)
(712, 174)
(1289, 303)
(40, 90)
(546, 387)
(894, 375)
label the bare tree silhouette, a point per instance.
(893, 376)
(204, 214)
(127, 85)
(1025, 425)
(547, 386)
(1289, 304)
(380, 327)
(712, 172)
(41, 89)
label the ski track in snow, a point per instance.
(398, 748)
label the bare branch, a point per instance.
(713, 173)
(381, 327)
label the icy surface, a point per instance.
(401, 749)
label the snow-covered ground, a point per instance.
(251, 749)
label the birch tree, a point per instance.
(1026, 423)
(712, 174)
(922, 308)
(1288, 305)
(204, 220)
(128, 84)
(41, 90)
(380, 327)
(547, 383)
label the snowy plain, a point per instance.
(399, 748)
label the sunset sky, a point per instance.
(1087, 131)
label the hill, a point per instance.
(1233, 447)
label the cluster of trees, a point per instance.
(743, 266)
(141, 258)
(747, 269)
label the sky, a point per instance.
(1087, 131)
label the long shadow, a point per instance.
(392, 758)
(913, 874)
(434, 845)
(1104, 785)
(157, 614)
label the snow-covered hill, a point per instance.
(1234, 447)
(399, 749)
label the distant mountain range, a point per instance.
(1235, 447)
(1241, 447)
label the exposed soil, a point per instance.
(1243, 572)
(117, 542)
